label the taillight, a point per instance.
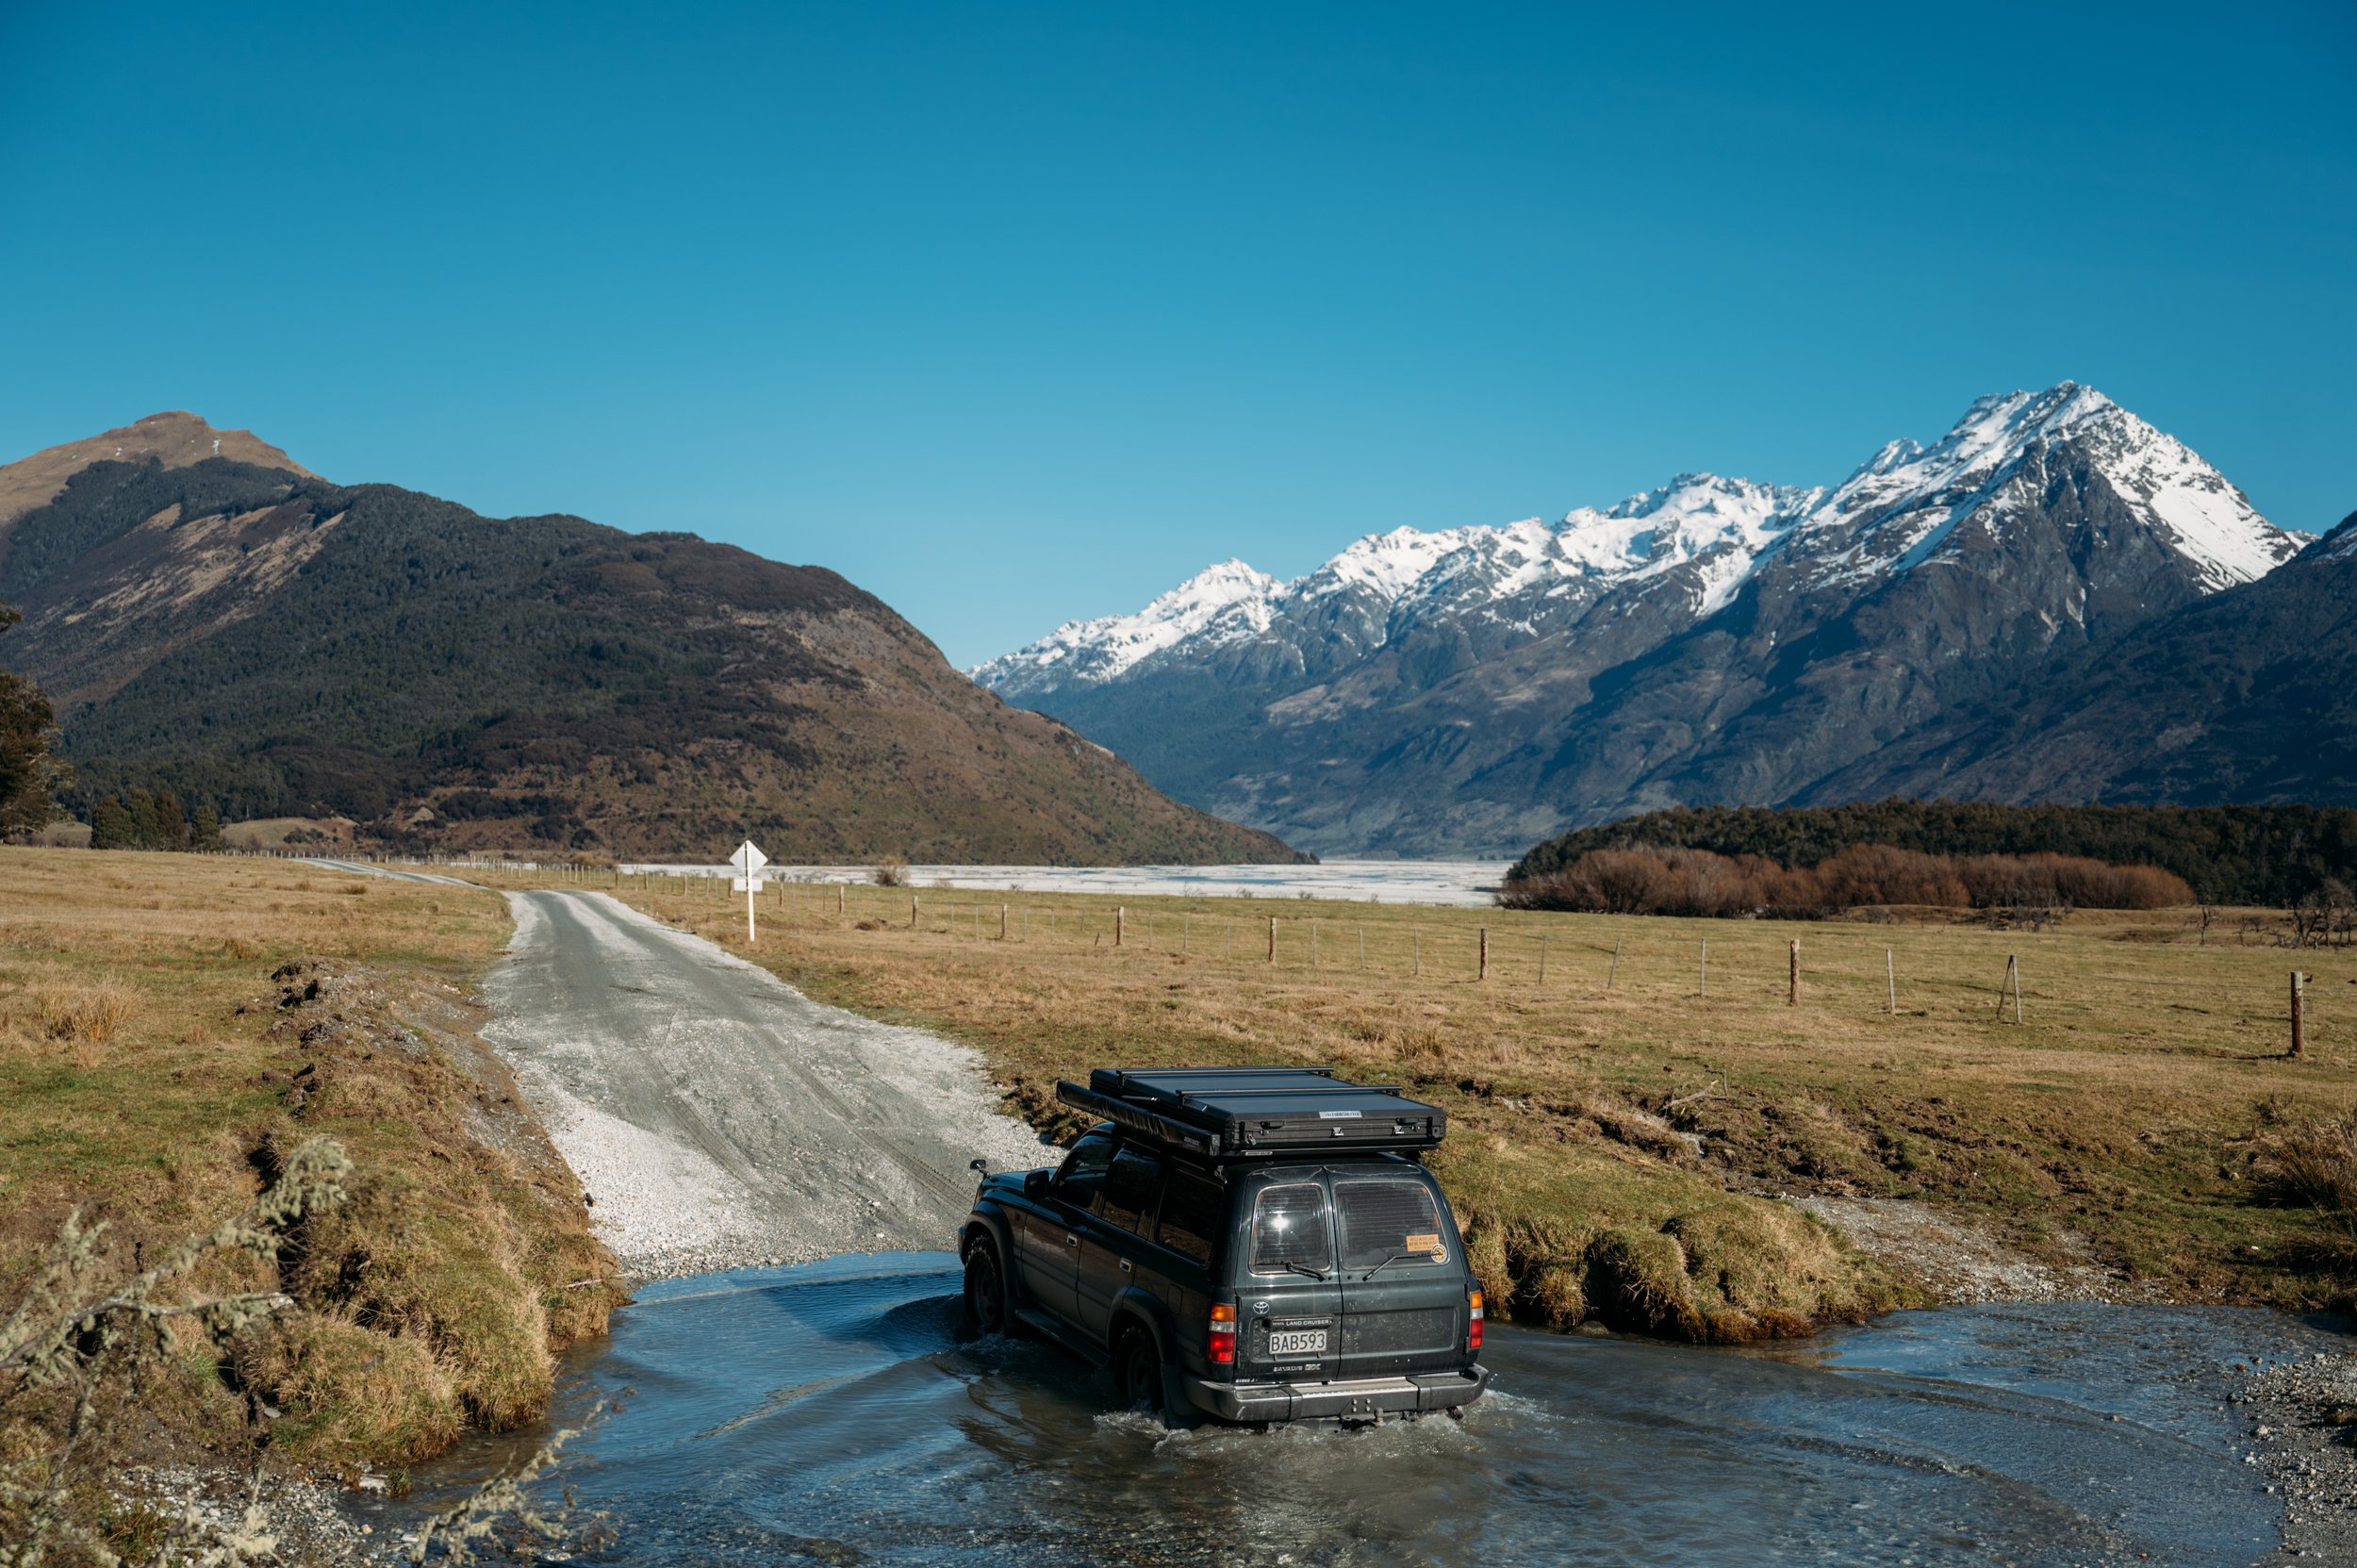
(1223, 1339)
(1473, 1330)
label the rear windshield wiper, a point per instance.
(1319, 1275)
(1396, 1257)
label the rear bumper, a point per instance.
(1353, 1398)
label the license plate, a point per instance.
(1296, 1342)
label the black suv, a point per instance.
(1248, 1244)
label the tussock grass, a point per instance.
(2117, 1120)
(94, 1013)
(2313, 1164)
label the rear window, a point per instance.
(1289, 1227)
(1381, 1220)
(1194, 1210)
(1131, 1188)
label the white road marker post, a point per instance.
(749, 861)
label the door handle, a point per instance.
(1072, 1241)
(1125, 1266)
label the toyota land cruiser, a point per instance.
(1246, 1243)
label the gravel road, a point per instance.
(719, 1118)
(364, 868)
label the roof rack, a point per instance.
(1248, 1113)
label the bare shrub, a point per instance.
(1603, 882)
(1878, 874)
(891, 871)
(78, 1343)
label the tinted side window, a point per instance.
(1194, 1212)
(1289, 1227)
(1383, 1220)
(1084, 1171)
(1131, 1188)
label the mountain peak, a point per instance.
(2340, 542)
(174, 439)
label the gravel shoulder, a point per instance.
(718, 1117)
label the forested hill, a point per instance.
(2228, 854)
(269, 643)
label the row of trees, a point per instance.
(137, 820)
(1673, 879)
(2244, 854)
(30, 771)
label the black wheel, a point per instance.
(1138, 1373)
(985, 1290)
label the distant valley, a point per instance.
(212, 617)
(2054, 602)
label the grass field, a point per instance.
(153, 1071)
(1618, 1123)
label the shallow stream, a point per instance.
(831, 1413)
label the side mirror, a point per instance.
(1034, 1183)
(979, 1167)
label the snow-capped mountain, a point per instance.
(1516, 578)
(1474, 687)
(1891, 515)
(1898, 509)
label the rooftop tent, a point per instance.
(1245, 1112)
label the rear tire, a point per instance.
(1138, 1374)
(985, 1290)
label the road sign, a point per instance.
(749, 861)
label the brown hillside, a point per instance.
(258, 639)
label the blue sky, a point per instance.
(1018, 313)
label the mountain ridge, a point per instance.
(1711, 641)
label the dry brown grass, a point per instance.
(91, 1014)
(2313, 1164)
(150, 1068)
(2117, 1117)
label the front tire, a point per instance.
(985, 1290)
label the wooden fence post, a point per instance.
(1793, 992)
(1705, 989)
(2299, 1020)
(1415, 950)
(1120, 923)
(1891, 974)
(2013, 978)
(911, 912)
(1003, 922)
(1542, 960)
(1185, 931)
(1485, 953)
(1614, 973)
(1271, 939)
